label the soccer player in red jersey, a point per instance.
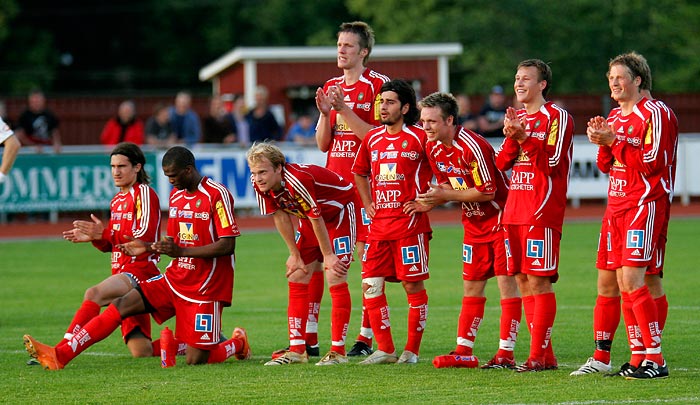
(637, 147)
(465, 169)
(197, 284)
(324, 204)
(134, 213)
(348, 107)
(537, 148)
(391, 169)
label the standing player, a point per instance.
(11, 148)
(393, 157)
(134, 213)
(197, 284)
(606, 312)
(465, 169)
(323, 202)
(538, 148)
(640, 140)
(348, 107)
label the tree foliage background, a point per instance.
(151, 46)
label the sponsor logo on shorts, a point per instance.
(635, 239)
(203, 323)
(535, 248)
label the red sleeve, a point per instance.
(604, 159)
(505, 159)
(658, 142)
(147, 221)
(104, 244)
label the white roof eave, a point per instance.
(324, 53)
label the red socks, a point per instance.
(340, 316)
(88, 310)
(417, 316)
(224, 350)
(606, 318)
(543, 320)
(470, 318)
(95, 330)
(316, 288)
(366, 334)
(297, 312)
(511, 314)
(648, 320)
(634, 335)
(378, 311)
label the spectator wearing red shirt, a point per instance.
(125, 127)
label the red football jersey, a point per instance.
(470, 162)
(134, 214)
(540, 168)
(199, 219)
(398, 170)
(363, 98)
(308, 191)
(644, 155)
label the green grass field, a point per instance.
(42, 283)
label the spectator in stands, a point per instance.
(124, 127)
(492, 114)
(219, 126)
(466, 118)
(239, 112)
(263, 124)
(37, 125)
(159, 131)
(303, 131)
(184, 121)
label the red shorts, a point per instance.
(636, 237)
(142, 322)
(402, 259)
(481, 261)
(533, 250)
(196, 323)
(341, 233)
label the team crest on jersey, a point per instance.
(198, 203)
(410, 255)
(535, 248)
(360, 96)
(467, 253)
(537, 124)
(186, 232)
(203, 323)
(342, 245)
(635, 239)
(458, 183)
(553, 133)
(221, 212)
(404, 144)
(630, 130)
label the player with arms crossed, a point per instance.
(11, 146)
(324, 203)
(637, 146)
(391, 169)
(465, 169)
(538, 148)
(197, 283)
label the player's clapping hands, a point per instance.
(513, 127)
(323, 102)
(599, 132)
(85, 231)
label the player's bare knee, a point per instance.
(92, 294)
(373, 287)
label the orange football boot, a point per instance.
(45, 354)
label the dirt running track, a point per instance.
(18, 230)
